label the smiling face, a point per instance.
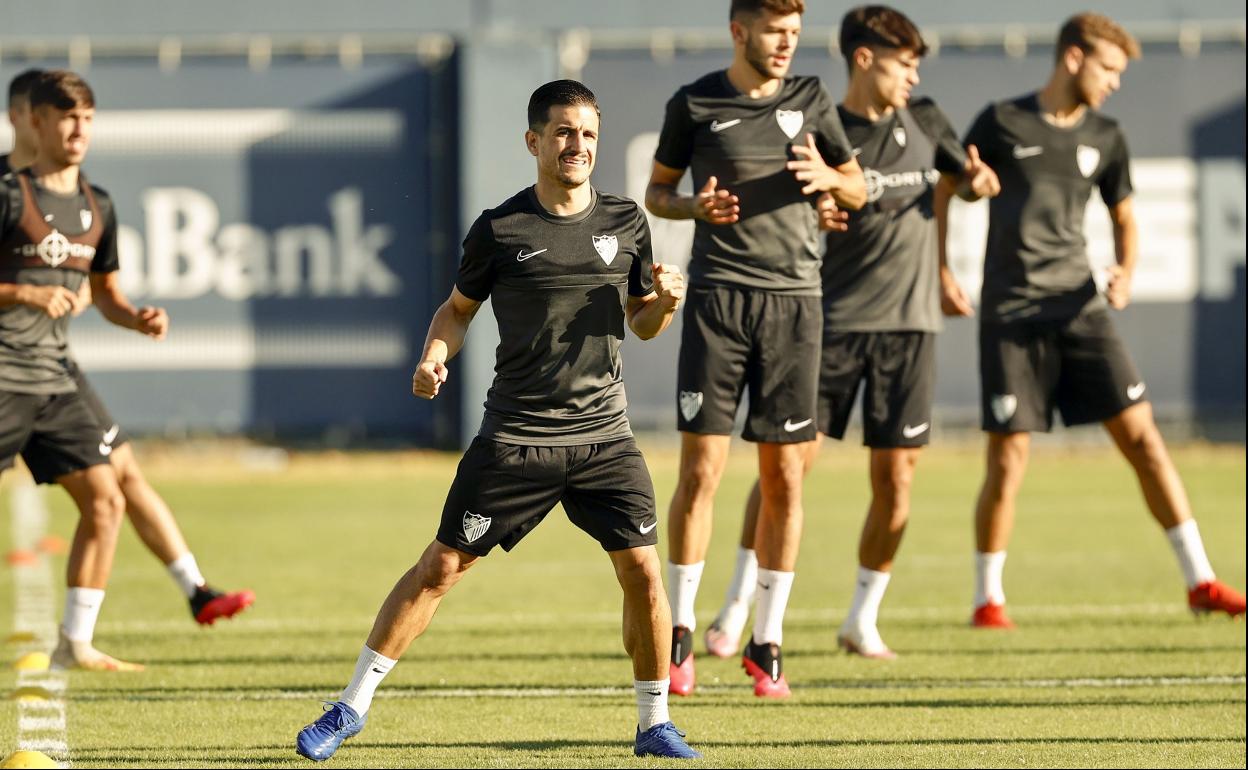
(63, 134)
(767, 41)
(1096, 72)
(566, 147)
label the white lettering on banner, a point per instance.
(189, 254)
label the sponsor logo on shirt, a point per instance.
(1021, 152)
(55, 248)
(878, 183)
(790, 121)
(716, 126)
(606, 246)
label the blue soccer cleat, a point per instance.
(319, 740)
(663, 741)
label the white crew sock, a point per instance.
(1190, 551)
(82, 608)
(988, 569)
(185, 572)
(773, 598)
(868, 593)
(370, 668)
(744, 578)
(682, 588)
(651, 703)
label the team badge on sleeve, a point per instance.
(690, 403)
(606, 246)
(1088, 158)
(475, 526)
(790, 121)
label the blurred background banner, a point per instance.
(294, 178)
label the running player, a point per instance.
(150, 515)
(761, 146)
(567, 267)
(883, 290)
(55, 230)
(1046, 336)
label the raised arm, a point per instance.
(444, 340)
(710, 204)
(648, 316)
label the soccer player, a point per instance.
(761, 147)
(883, 290)
(567, 267)
(1046, 336)
(55, 231)
(150, 515)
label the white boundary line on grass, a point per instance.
(40, 723)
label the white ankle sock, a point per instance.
(651, 703)
(773, 598)
(744, 578)
(868, 593)
(185, 572)
(1190, 551)
(82, 608)
(370, 668)
(682, 588)
(988, 586)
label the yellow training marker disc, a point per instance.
(20, 636)
(31, 693)
(28, 759)
(33, 661)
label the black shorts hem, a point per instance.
(51, 476)
(461, 547)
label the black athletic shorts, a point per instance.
(1079, 366)
(899, 369)
(55, 434)
(111, 432)
(502, 491)
(734, 339)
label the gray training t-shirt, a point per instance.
(883, 273)
(559, 287)
(1036, 265)
(715, 130)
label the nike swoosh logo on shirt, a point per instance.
(716, 126)
(791, 426)
(917, 430)
(645, 530)
(1021, 152)
(522, 256)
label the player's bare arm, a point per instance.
(712, 203)
(56, 301)
(648, 316)
(953, 298)
(113, 305)
(1126, 251)
(444, 340)
(978, 178)
(845, 182)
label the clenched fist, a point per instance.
(428, 379)
(669, 283)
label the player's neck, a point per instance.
(563, 201)
(54, 176)
(21, 157)
(859, 101)
(750, 81)
(1058, 105)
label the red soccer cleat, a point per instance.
(991, 616)
(1215, 596)
(763, 663)
(208, 605)
(681, 672)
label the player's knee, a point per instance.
(105, 512)
(700, 478)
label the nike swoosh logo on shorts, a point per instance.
(1021, 152)
(645, 530)
(917, 430)
(111, 434)
(522, 256)
(105, 449)
(791, 426)
(716, 126)
(1135, 391)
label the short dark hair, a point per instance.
(755, 7)
(21, 84)
(61, 89)
(558, 93)
(1084, 29)
(879, 25)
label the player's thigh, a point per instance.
(714, 350)
(65, 439)
(111, 433)
(901, 382)
(610, 496)
(1018, 371)
(1098, 380)
(784, 371)
(17, 422)
(841, 369)
(500, 493)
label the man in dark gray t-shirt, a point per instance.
(761, 145)
(568, 268)
(1046, 336)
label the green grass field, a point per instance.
(523, 665)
